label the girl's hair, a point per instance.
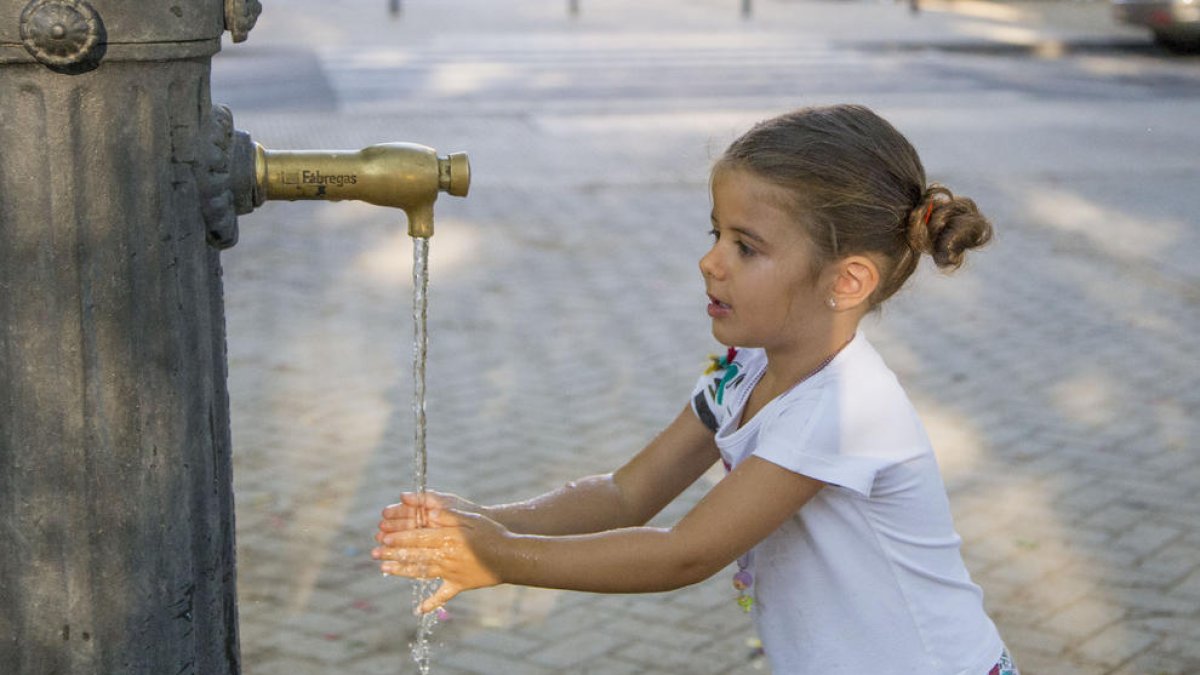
(858, 187)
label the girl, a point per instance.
(833, 507)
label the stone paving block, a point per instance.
(324, 620)
(1158, 664)
(1034, 643)
(1189, 587)
(1035, 663)
(1170, 615)
(1014, 608)
(1083, 619)
(1131, 575)
(659, 612)
(286, 665)
(392, 661)
(1033, 604)
(670, 636)
(675, 660)
(582, 619)
(466, 659)
(733, 652)
(505, 643)
(1111, 561)
(1080, 494)
(1181, 633)
(567, 653)
(613, 665)
(1117, 644)
(316, 649)
(721, 622)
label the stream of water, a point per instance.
(422, 588)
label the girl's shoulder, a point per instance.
(726, 381)
(728, 373)
(855, 406)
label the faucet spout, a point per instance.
(407, 176)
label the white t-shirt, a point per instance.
(867, 577)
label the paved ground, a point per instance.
(1056, 372)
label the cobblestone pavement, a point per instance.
(1056, 372)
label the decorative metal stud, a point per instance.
(61, 33)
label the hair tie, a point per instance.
(928, 212)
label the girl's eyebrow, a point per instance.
(749, 235)
(740, 230)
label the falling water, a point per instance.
(422, 588)
(420, 351)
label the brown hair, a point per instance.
(858, 187)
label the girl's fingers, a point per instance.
(423, 538)
(440, 518)
(405, 522)
(444, 593)
(417, 500)
(412, 569)
(431, 520)
(404, 517)
(406, 507)
(425, 557)
(440, 597)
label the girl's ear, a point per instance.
(857, 278)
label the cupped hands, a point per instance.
(431, 535)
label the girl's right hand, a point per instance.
(451, 547)
(412, 511)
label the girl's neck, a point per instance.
(787, 368)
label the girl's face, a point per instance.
(758, 274)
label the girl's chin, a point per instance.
(730, 338)
(725, 337)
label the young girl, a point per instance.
(833, 507)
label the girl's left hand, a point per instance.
(454, 546)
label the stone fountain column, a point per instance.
(116, 504)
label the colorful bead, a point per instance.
(746, 602)
(743, 580)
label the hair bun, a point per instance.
(946, 227)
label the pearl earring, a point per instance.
(832, 302)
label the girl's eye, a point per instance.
(742, 249)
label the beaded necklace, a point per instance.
(743, 579)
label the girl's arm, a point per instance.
(469, 551)
(632, 495)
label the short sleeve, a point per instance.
(704, 400)
(804, 438)
(724, 385)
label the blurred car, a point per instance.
(1175, 23)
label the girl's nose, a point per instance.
(709, 265)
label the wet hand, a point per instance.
(452, 546)
(412, 509)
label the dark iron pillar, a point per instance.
(116, 505)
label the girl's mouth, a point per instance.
(718, 309)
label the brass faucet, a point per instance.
(401, 175)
